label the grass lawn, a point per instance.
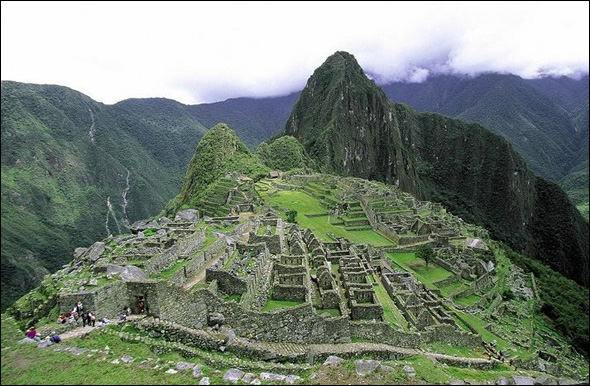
(304, 204)
(427, 275)
(391, 313)
(274, 304)
(453, 288)
(468, 301)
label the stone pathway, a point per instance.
(81, 331)
(356, 349)
(77, 332)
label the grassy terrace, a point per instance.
(304, 204)
(334, 313)
(427, 275)
(391, 313)
(275, 304)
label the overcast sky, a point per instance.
(205, 52)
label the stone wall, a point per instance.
(273, 243)
(289, 292)
(480, 284)
(299, 324)
(365, 311)
(407, 240)
(226, 282)
(197, 263)
(148, 290)
(383, 333)
(387, 231)
(444, 333)
(330, 298)
(445, 264)
(110, 300)
(66, 302)
(183, 247)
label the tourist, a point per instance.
(62, 319)
(54, 337)
(250, 337)
(72, 320)
(85, 320)
(140, 307)
(37, 337)
(31, 333)
(80, 307)
(91, 319)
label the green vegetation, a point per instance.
(425, 253)
(428, 275)
(305, 204)
(56, 179)
(283, 153)
(291, 216)
(391, 313)
(333, 312)
(564, 301)
(275, 304)
(467, 168)
(219, 151)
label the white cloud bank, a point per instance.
(205, 52)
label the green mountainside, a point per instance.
(253, 119)
(74, 170)
(349, 127)
(545, 120)
(283, 153)
(218, 152)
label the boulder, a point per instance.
(197, 371)
(183, 366)
(233, 375)
(205, 381)
(94, 252)
(139, 226)
(522, 381)
(273, 377)
(113, 270)
(133, 273)
(215, 318)
(333, 360)
(364, 367)
(189, 215)
(292, 379)
(248, 377)
(79, 252)
(128, 273)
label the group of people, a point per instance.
(124, 315)
(72, 317)
(35, 336)
(492, 352)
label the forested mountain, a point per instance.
(545, 120)
(57, 173)
(74, 170)
(255, 120)
(347, 124)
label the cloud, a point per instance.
(204, 52)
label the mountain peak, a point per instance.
(339, 117)
(338, 64)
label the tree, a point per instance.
(425, 253)
(292, 216)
